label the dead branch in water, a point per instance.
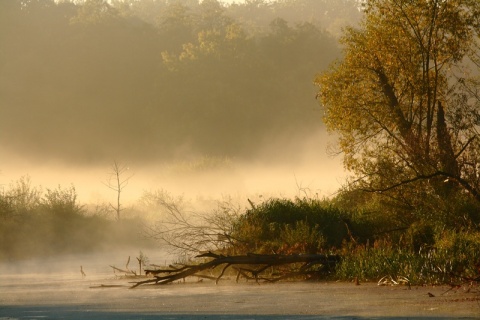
(130, 272)
(255, 264)
(127, 271)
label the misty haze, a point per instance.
(161, 84)
(200, 101)
(140, 135)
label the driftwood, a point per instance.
(127, 271)
(253, 267)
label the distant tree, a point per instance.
(175, 26)
(94, 12)
(118, 179)
(407, 120)
(328, 15)
(147, 10)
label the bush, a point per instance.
(37, 224)
(419, 235)
(281, 224)
(301, 238)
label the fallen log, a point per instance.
(261, 261)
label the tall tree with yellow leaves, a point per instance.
(403, 99)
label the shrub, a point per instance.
(301, 238)
(281, 224)
(419, 235)
(34, 223)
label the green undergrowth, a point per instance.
(453, 259)
(371, 245)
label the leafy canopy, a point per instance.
(403, 98)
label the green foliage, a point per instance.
(427, 245)
(395, 98)
(453, 259)
(301, 237)
(420, 235)
(415, 207)
(371, 245)
(281, 224)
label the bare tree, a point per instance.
(185, 231)
(117, 180)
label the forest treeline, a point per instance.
(141, 80)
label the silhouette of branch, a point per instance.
(261, 261)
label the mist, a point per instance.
(81, 90)
(309, 171)
(198, 99)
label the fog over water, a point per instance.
(313, 172)
(199, 99)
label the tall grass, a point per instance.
(455, 258)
